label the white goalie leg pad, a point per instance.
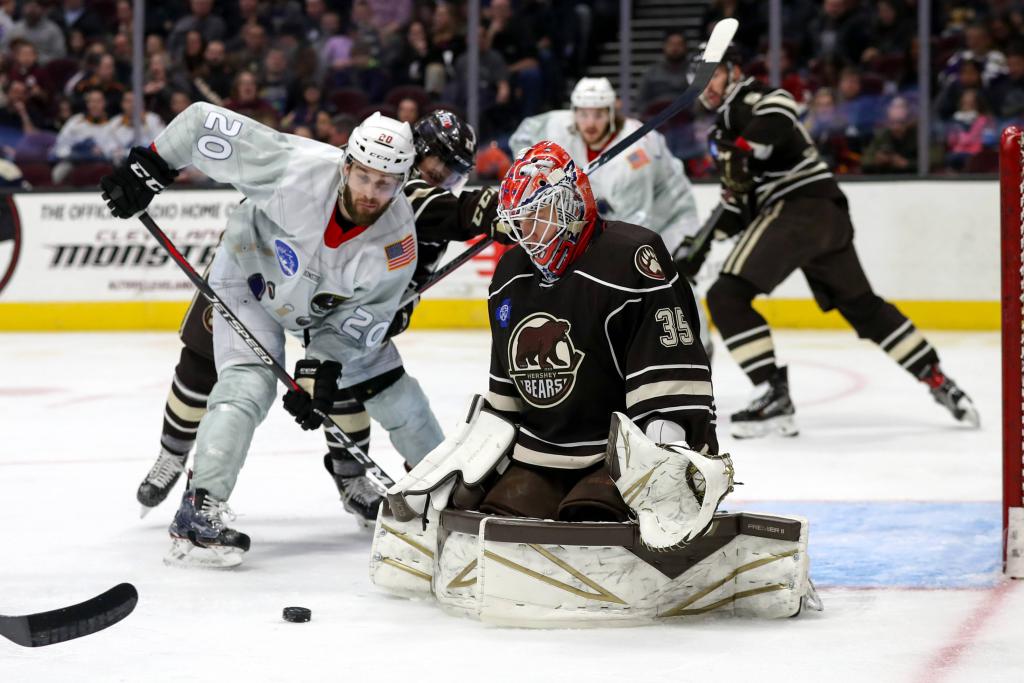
(545, 574)
(403, 554)
(673, 490)
(479, 446)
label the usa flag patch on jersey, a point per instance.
(401, 253)
(638, 159)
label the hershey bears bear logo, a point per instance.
(542, 359)
(647, 263)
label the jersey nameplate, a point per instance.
(542, 360)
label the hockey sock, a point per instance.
(743, 329)
(350, 415)
(876, 319)
(194, 377)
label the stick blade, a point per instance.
(720, 38)
(68, 623)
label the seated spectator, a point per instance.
(75, 16)
(751, 28)
(840, 31)
(1008, 94)
(159, 85)
(363, 72)
(323, 127)
(410, 62)
(122, 51)
(213, 81)
(80, 138)
(978, 48)
(200, 18)
(493, 86)
(894, 147)
(248, 51)
(827, 127)
(968, 78)
(305, 112)
(389, 16)
(19, 116)
(276, 80)
(103, 79)
(362, 30)
(118, 136)
(334, 47)
(667, 77)
(859, 110)
(512, 38)
(446, 45)
(890, 34)
(408, 110)
(37, 29)
(193, 53)
(246, 101)
(971, 130)
(312, 20)
(25, 67)
(342, 126)
(180, 100)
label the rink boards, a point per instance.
(65, 264)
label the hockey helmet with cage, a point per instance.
(451, 140)
(382, 144)
(595, 93)
(547, 206)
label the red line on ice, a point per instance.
(946, 659)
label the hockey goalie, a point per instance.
(535, 512)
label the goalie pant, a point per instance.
(618, 332)
(440, 217)
(794, 217)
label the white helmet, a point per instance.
(383, 144)
(595, 93)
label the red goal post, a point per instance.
(1011, 191)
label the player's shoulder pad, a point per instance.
(628, 258)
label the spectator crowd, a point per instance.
(316, 67)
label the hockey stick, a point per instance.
(720, 38)
(378, 477)
(68, 623)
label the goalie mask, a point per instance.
(546, 205)
(377, 162)
(452, 141)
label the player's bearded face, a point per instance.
(368, 193)
(592, 123)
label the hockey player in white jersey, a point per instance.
(323, 247)
(644, 185)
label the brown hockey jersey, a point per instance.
(617, 332)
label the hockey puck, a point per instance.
(297, 614)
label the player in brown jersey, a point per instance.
(588, 318)
(783, 201)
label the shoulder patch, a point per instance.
(401, 253)
(647, 263)
(504, 313)
(287, 258)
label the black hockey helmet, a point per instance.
(452, 140)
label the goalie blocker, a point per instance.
(681, 558)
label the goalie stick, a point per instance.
(720, 38)
(68, 623)
(378, 477)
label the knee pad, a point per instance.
(404, 411)
(250, 389)
(730, 293)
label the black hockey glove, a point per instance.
(733, 160)
(400, 323)
(319, 382)
(689, 257)
(134, 183)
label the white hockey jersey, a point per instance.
(341, 288)
(644, 185)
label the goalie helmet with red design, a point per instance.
(546, 205)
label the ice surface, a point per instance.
(903, 505)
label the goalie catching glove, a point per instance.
(134, 183)
(673, 490)
(319, 383)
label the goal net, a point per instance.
(1011, 188)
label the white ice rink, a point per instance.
(903, 507)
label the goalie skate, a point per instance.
(199, 536)
(161, 479)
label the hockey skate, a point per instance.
(199, 536)
(358, 495)
(770, 412)
(951, 397)
(160, 480)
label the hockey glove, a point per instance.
(689, 257)
(319, 382)
(400, 323)
(733, 160)
(134, 183)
